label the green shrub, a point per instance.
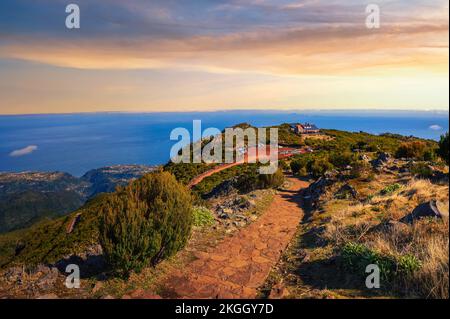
(303, 172)
(444, 147)
(407, 264)
(202, 216)
(342, 159)
(360, 167)
(320, 166)
(284, 165)
(422, 170)
(246, 174)
(185, 172)
(430, 155)
(274, 180)
(415, 149)
(295, 166)
(298, 164)
(356, 257)
(390, 189)
(144, 222)
(253, 180)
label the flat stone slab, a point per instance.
(431, 209)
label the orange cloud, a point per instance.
(333, 50)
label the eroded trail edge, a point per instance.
(240, 264)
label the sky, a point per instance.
(178, 55)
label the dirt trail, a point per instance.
(201, 177)
(246, 159)
(241, 263)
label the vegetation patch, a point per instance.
(202, 216)
(356, 257)
(422, 170)
(145, 222)
(47, 242)
(390, 189)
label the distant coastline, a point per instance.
(76, 143)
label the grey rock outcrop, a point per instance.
(431, 209)
(382, 159)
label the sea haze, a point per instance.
(76, 143)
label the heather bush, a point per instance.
(274, 180)
(422, 170)
(415, 149)
(320, 166)
(145, 222)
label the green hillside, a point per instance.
(48, 241)
(26, 208)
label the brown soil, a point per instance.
(240, 263)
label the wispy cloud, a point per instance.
(297, 51)
(435, 127)
(269, 36)
(23, 151)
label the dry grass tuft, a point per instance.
(375, 224)
(432, 279)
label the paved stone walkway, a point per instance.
(241, 263)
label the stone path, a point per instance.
(241, 263)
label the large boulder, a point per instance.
(431, 209)
(225, 188)
(382, 159)
(311, 195)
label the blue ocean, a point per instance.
(76, 143)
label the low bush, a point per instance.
(444, 147)
(415, 149)
(202, 217)
(342, 159)
(356, 257)
(145, 222)
(422, 170)
(390, 189)
(316, 164)
(274, 180)
(299, 165)
(359, 168)
(253, 180)
(320, 166)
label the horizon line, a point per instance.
(232, 110)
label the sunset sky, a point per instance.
(179, 55)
